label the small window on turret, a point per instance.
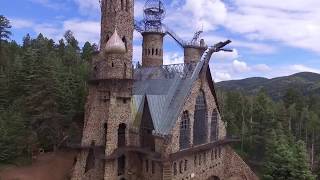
(185, 165)
(122, 4)
(125, 43)
(181, 167)
(127, 5)
(107, 38)
(152, 167)
(147, 165)
(112, 64)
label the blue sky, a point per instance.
(270, 38)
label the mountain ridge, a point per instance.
(307, 83)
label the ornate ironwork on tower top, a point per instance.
(154, 13)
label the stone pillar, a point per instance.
(152, 49)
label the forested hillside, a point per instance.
(306, 83)
(275, 135)
(42, 93)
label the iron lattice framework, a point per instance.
(154, 13)
(165, 71)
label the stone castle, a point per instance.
(155, 122)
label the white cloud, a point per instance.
(21, 23)
(88, 7)
(206, 13)
(225, 56)
(262, 67)
(240, 66)
(294, 23)
(84, 30)
(172, 58)
(221, 76)
(303, 68)
(137, 54)
(254, 47)
(138, 9)
(49, 4)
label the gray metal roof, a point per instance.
(165, 88)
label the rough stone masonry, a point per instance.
(155, 122)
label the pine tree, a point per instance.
(301, 165)
(87, 51)
(5, 27)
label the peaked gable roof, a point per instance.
(165, 89)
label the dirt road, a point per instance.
(50, 166)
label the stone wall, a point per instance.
(192, 55)
(221, 162)
(190, 107)
(118, 14)
(200, 166)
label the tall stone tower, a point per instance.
(108, 107)
(151, 29)
(193, 53)
(152, 45)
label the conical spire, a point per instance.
(115, 45)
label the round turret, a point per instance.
(115, 45)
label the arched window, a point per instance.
(153, 167)
(90, 162)
(107, 38)
(157, 52)
(122, 4)
(185, 131)
(124, 70)
(214, 126)
(147, 165)
(152, 51)
(200, 125)
(127, 5)
(125, 42)
(149, 51)
(215, 153)
(121, 165)
(175, 168)
(181, 167)
(122, 135)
